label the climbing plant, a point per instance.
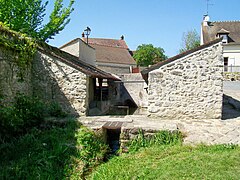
(23, 48)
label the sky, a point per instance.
(158, 22)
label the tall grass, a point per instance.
(59, 151)
(159, 138)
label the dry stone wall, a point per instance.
(190, 87)
(56, 81)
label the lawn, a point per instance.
(174, 162)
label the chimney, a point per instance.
(206, 20)
(122, 37)
(83, 35)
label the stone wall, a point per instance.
(190, 87)
(135, 87)
(10, 83)
(56, 81)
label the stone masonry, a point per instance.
(10, 83)
(189, 87)
(59, 82)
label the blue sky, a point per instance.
(158, 22)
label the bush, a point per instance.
(24, 113)
(55, 110)
(92, 147)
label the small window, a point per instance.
(225, 38)
(225, 64)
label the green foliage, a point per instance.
(91, 145)
(147, 54)
(25, 113)
(160, 138)
(190, 40)
(26, 16)
(23, 48)
(174, 162)
(52, 153)
(55, 110)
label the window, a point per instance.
(225, 38)
(225, 64)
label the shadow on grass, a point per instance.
(50, 152)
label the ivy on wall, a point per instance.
(23, 48)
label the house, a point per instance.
(229, 31)
(54, 76)
(112, 55)
(61, 77)
(187, 86)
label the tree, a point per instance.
(190, 40)
(26, 16)
(147, 54)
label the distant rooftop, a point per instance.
(113, 51)
(232, 28)
(117, 43)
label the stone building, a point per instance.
(189, 85)
(112, 55)
(64, 78)
(230, 32)
(54, 76)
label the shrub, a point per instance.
(55, 110)
(24, 113)
(92, 147)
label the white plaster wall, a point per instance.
(135, 84)
(233, 54)
(81, 50)
(87, 53)
(72, 48)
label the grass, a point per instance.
(70, 151)
(174, 162)
(57, 151)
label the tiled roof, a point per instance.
(117, 43)
(158, 65)
(232, 27)
(73, 61)
(65, 57)
(111, 51)
(106, 54)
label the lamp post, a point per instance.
(87, 32)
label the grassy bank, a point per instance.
(56, 151)
(174, 162)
